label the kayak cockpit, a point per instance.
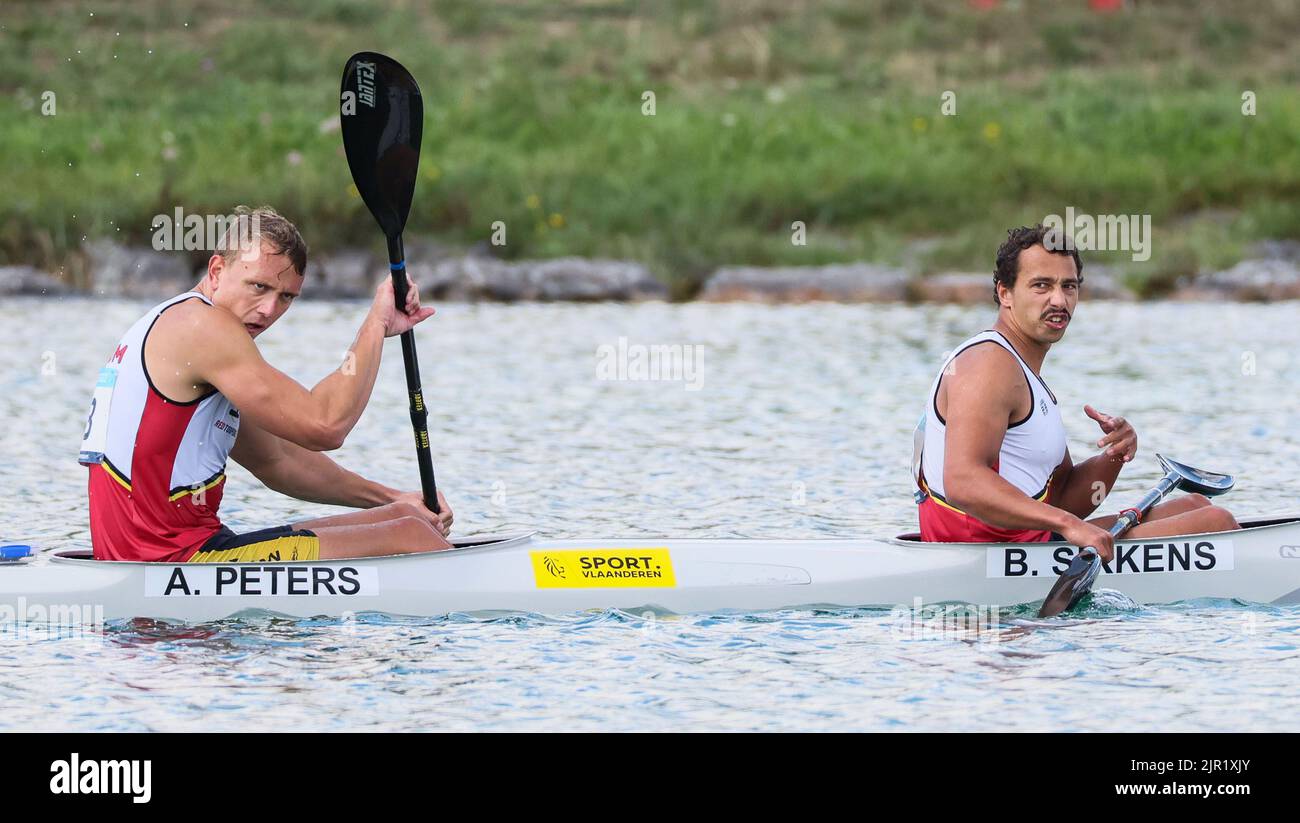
(1254, 523)
(914, 539)
(1247, 523)
(476, 544)
(74, 554)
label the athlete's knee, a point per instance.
(412, 521)
(1197, 500)
(1220, 520)
(416, 527)
(402, 509)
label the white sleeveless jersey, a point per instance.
(134, 429)
(1031, 450)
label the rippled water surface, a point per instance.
(797, 423)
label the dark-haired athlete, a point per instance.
(993, 463)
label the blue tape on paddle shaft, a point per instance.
(15, 552)
(396, 266)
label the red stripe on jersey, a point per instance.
(141, 523)
(940, 524)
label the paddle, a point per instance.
(382, 117)
(1076, 581)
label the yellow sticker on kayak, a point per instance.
(604, 569)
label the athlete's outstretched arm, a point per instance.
(304, 474)
(318, 419)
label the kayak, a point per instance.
(521, 573)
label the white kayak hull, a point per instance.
(1260, 563)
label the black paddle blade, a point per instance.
(383, 119)
(1073, 584)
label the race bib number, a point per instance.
(1157, 557)
(95, 437)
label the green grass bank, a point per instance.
(766, 112)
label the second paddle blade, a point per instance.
(1072, 585)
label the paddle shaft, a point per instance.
(411, 361)
(1128, 518)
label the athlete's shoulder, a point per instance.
(984, 379)
(984, 360)
(200, 328)
(195, 312)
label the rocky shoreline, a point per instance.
(1271, 273)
